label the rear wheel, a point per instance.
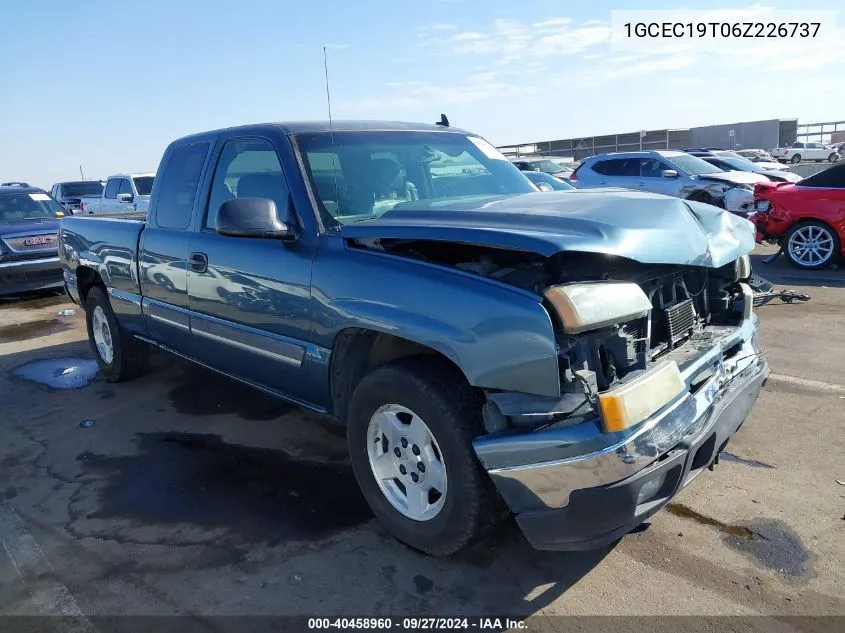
(410, 429)
(796, 158)
(811, 245)
(119, 354)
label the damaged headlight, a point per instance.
(591, 305)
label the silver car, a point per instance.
(672, 173)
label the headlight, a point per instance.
(742, 268)
(591, 305)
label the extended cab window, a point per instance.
(248, 168)
(179, 184)
(111, 188)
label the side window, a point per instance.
(651, 167)
(248, 168)
(798, 146)
(111, 188)
(55, 192)
(614, 167)
(125, 187)
(179, 184)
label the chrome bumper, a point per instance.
(542, 470)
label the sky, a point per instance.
(108, 85)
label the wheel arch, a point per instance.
(357, 351)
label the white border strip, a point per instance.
(816, 385)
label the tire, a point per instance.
(433, 391)
(129, 356)
(825, 237)
(796, 158)
(833, 158)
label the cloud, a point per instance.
(515, 41)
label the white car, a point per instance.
(798, 152)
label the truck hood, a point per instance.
(29, 227)
(648, 228)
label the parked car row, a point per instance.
(121, 193)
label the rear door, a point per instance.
(163, 253)
(249, 297)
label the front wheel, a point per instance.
(119, 354)
(796, 158)
(410, 428)
(811, 245)
(833, 158)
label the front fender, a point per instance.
(500, 337)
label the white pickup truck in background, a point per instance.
(797, 152)
(123, 193)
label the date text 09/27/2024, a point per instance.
(416, 624)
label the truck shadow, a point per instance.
(164, 466)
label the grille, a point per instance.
(29, 243)
(680, 320)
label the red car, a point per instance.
(806, 218)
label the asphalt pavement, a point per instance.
(183, 493)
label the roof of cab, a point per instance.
(342, 125)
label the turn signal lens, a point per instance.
(633, 402)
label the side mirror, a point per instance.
(544, 186)
(255, 217)
(125, 197)
(670, 173)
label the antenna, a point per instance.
(331, 126)
(80, 172)
(328, 93)
(443, 121)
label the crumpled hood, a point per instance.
(648, 228)
(737, 177)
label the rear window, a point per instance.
(144, 184)
(86, 188)
(179, 184)
(17, 207)
(832, 177)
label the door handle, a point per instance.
(198, 262)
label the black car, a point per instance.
(29, 224)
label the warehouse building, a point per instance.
(751, 134)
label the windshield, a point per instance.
(144, 184)
(741, 164)
(85, 188)
(360, 175)
(692, 164)
(547, 166)
(15, 207)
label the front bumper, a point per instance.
(575, 488)
(32, 274)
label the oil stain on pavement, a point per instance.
(730, 457)
(59, 373)
(255, 494)
(202, 392)
(34, 329)
(768, 541)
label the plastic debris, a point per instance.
(86, 424)
(67, 312)
(841, 483)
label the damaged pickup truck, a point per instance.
(575, 357)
